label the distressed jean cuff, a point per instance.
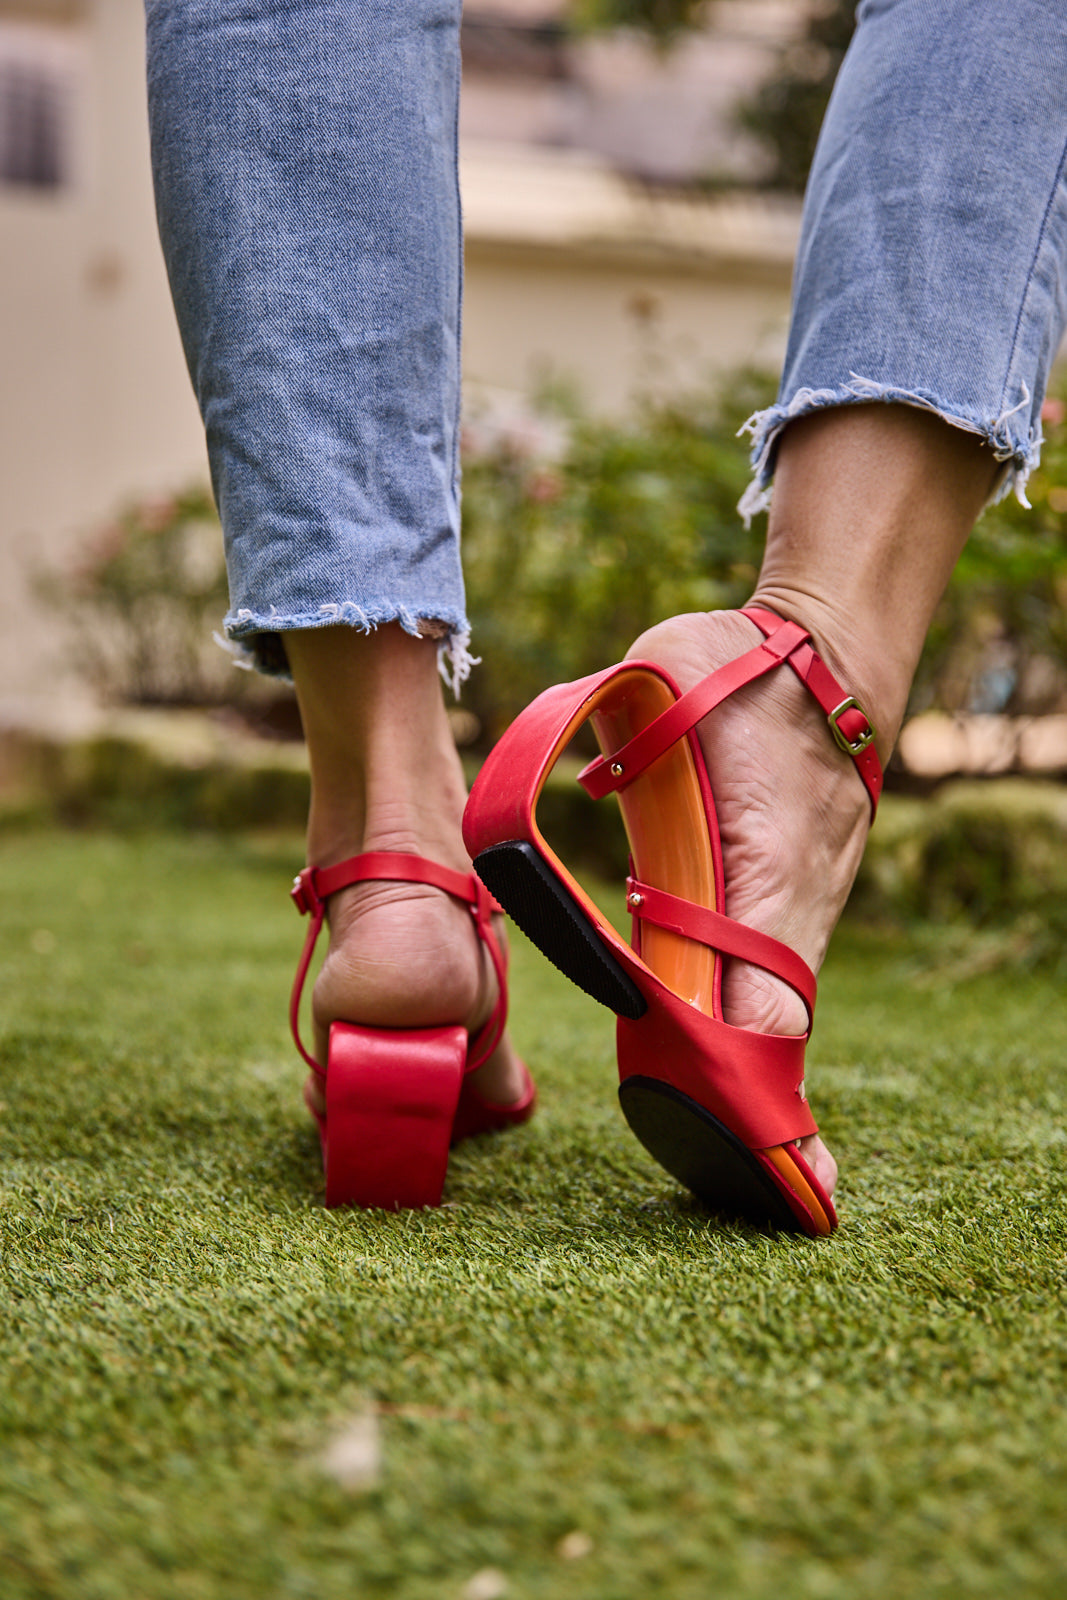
(1016, 446)
(257, 642)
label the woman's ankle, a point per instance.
(874, 670)
(385, 773)
(872, 506)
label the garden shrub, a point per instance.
(978, 852)
(143, 598)
(999, 639)
(568, 560)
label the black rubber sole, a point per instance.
(532, 894)
(698, 1150)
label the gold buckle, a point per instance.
(851, 747)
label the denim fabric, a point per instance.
(304, 156)
(933, 257)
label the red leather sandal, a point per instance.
(719, 1107)
(396, 1098)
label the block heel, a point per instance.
(398, 1099)
(391, 1100)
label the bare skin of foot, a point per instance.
(386, 776)
(872, 505)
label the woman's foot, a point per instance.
(872, 505)
(385, 776)
(405, 955)
(793, 815)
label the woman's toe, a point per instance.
(820, 1161)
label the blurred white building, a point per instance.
(596, 254)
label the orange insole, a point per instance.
(668, 831)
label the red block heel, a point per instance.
(719, 1107)
(397, 1099)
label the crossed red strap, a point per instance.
(784, 642)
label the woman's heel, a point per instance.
(394, 1099)
(391, 1098)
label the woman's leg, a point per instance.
(931, 263)
(385, 776)
(304, 159)
(932, 273)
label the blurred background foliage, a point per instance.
(569, 559)
(579, 534)
(786, 111)
(662, 19)
(142, 600)
(999, 639)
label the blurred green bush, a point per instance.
(142, 599)
(999, 639)
(662, 19)
(569, 559)
(578, 535)
(786, 111)
(979, 855)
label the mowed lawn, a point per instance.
(570, 1380)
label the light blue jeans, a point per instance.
(304, 154)
(932, 266)
(304, 157)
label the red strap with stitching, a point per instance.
(313, 887)
(721, 933)
(784, 642)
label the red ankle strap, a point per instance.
(784, 641)
(852, 729)
(314, 886)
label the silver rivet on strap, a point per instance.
(616, 769)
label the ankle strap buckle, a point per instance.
(854, 746)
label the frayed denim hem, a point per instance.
(255, 641)
(1019, 454)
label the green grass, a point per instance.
(569, 1345)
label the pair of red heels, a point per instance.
(720, 1107)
